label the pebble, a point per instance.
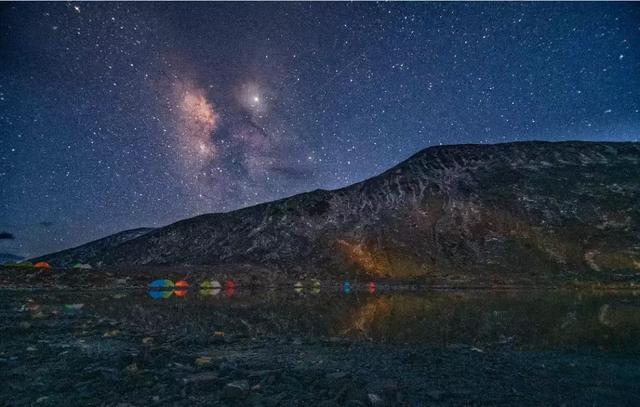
(236, 390)
(200, 378)
(435, 394)
(336, 375)
(111, 334)
(375, 400)
(203, 360)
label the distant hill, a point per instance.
(9, 258)
(92, 249)
(514, 210)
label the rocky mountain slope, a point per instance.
(510, 211)
(69, 257)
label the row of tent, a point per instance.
(45, 265)
(164, 284)
(182, 285)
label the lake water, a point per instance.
(254, 330)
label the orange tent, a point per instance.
(42, 265)
(182, 284)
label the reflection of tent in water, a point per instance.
(181, 292)
(210, 284)
(83, 266)
(182, 284)
(315, 286)
(297, 287)
(230, 288)
(210, 287)
(160, 294)
(371, 287)
(209, 292)
(42, 265)
(159, 284)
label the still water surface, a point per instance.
(522, 319)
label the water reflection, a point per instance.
(160, 294)
(205, 292)
(520, 319)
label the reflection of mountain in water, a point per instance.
(524, 319)
(519, 212)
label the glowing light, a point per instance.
(364, 257)
(252, 97)
(197, 121)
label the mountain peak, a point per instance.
(556, 209)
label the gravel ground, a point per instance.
(267, 349)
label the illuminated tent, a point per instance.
(42, 265)
(315, 286)
(159, 284)
(210, 287)
(182, 284)
(83, 266)
(210, 284)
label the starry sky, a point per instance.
(122, 115)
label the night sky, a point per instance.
(116, 116)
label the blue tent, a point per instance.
(160, 284)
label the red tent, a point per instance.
(42, 265)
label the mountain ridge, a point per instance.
(564, 206)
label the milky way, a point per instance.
(121, 115)
(196, 123)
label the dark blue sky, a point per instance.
(121, 115)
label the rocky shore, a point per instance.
(123, 348)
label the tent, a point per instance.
(42, 265)
(182, 284)
(315, 286)
(371, 287)
(210, 284)
(160, 284)
(83, 266)
(346, 287)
